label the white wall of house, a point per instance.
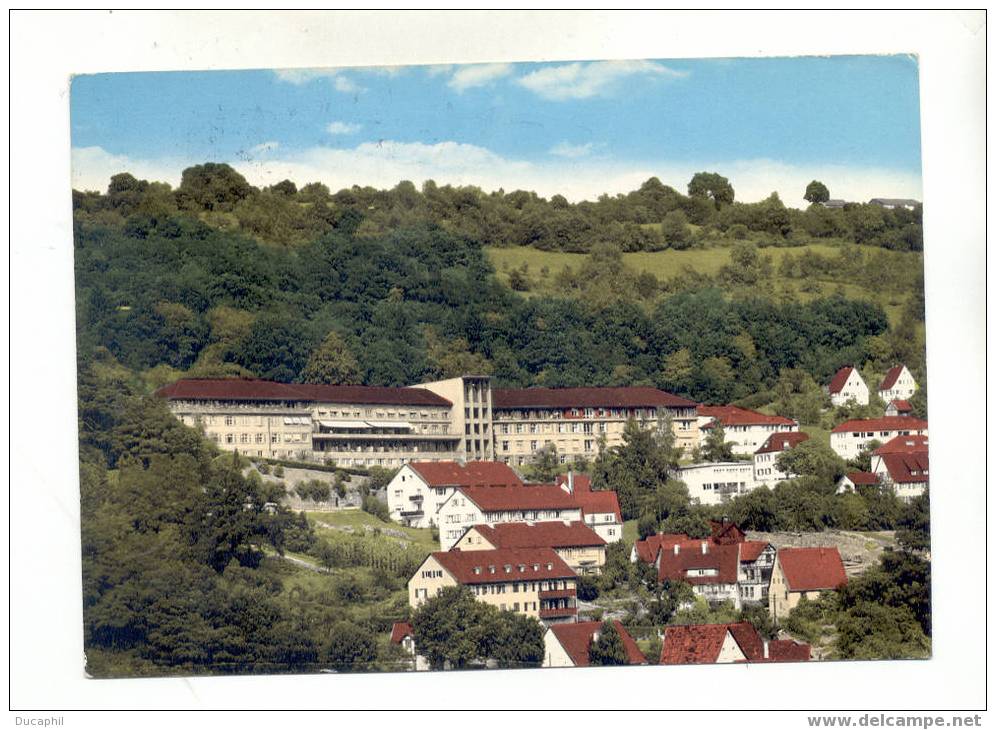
(719, 592)
(715, 482)
(456, 515)
(748, 439)
(410, 499)
(554, 654)
(905, 491)
(605, 525)
(902, 389)
(854, 388)
(766, 471)
(848, 444)
(730, 652)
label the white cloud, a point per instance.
(585, 80)
(264, 147)
(343, 128)
(299, 76)
(384, 164)
(572, 151)
(467, 77)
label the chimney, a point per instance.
(765, 649)
(705, 547)
(677, 548)
(570, 481)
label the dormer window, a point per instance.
(477, 571)
(491, 569)
(508, 568)
(549, 566)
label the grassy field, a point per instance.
(359, 522)
(668, 264)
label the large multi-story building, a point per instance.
(745, 430)
(573, 419)
(850, 437)
(459, 419)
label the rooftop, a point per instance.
(236, 389)
(812, 568)
(552, 534)
(473, 473)
(503, 565)
(576, 638)
(886, 423)
(631, 397)
(737, 416)
(781, 441)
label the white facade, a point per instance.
(716, 482)
(554, 654)
(766, 471)
(854, 388)
(905, 490)
(459, 513)
(605, 525)
(902, 389)
(411, 501)
(848, 444)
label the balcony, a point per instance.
(565, 593)
(417, 512)
(555, 613)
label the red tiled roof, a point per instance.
(840, 378)
(495, 499)
(399, 631)
(475, 566)
(631, 397)
(903, 406)
(724, 559)
(737, 416)
(552, 534)
(812, 568)
(891, 377)
(750, 550)
(725, 532)
(785, 650)
(474, 473)
(576, 639)
(647, 548)
(863, 477)
(256, 390)
(701, 643)
(911, 444)
(911, 468)
(886, 423)
(582, 482)
(599, 503)
(782, 441)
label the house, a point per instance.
(599, 508)
(907, 203)
(898, 384)
(575, 542)
(726, 644)
(848, 385)
(715, 482)
(853, 479)
(647, 549)
(745, 430)
(712, 570)
(533, 581)
(904, 464)
(402, 634)
(725, 532)
(899, 407)
(848, 438)
(805, 571)
(755, 563)
(573, 419)
(480, 505)
(567, 644)
(766, 471)
(835, 203)
(420, 488)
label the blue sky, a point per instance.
(578, 128)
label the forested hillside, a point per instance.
(397, 286)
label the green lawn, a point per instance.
(359, 520)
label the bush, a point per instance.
(278, 471)
(263, 468)
(587, 588)
(372, 505)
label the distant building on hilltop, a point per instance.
(907, 203)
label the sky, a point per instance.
(581, 129)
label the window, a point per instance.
(229, 421)
(229, 438)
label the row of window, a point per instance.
(588, 446)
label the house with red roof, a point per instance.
(712, 570)
(716, 482)
(746, 430)
(532, 581)
(903, 463)
(804, 571)
(848, 385)
(849, 438)
(420, 488)
(599, 508)
(899, 408)
(573, 419)
(726, 644)
(898, 384)
(766, 471)
(567, 645)
(490, 505)
(575, 542)
(854, 479)
(402, 635)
